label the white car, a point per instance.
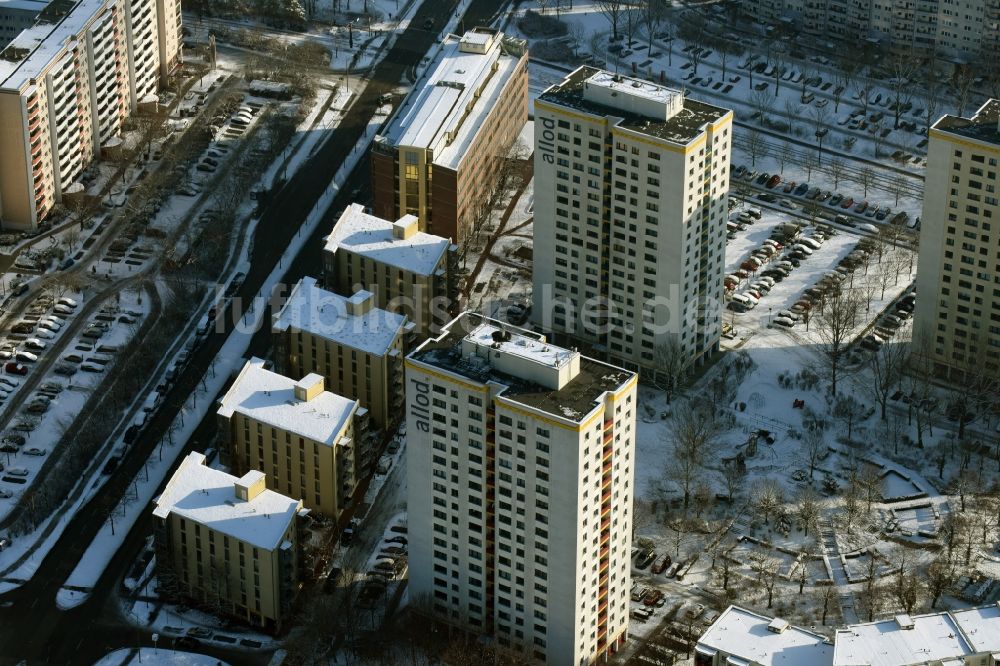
(62, 309)
(45, 334)
(48, 325)
(26, 357)
(784, 322)
(34, 343)
(68, 302)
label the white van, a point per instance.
(869, 228)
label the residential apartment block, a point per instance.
(520, 478)
(439, 155)
(17, 15)
(303, 438)
(228, 543)
(409, 271)
(957, 319)
(66, 86)
(744, 638)
(631, 195)
(356, 347)
(956, 29)
(969, 637)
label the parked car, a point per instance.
(645, 559)
(662, 562)
(26, 357)
(34, 451)
(34, 343)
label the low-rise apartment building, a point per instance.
(357, 347)
(302, 437)
(409, 271)
(228, 543)
(439, 155)
(740, 637)
(968, 637)
(66, 86)
(957, 318)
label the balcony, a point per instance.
(608, 437)
(608, 423)
(605, 497)
(606, 522)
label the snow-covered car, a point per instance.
(24, 357)
(68, 302)
(35, 343)
(34, 451)
(17, 471)
(62, 309)
(783, 321)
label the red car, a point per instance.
(789, 186)
(847, 203)
(16, 368)
(773, 182)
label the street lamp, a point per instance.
(820, 133)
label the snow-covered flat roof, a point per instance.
(268, 397)
(444, 101)
(207, 496)
(530, 349)
(357, 231)
(325, 314)
(981, 627)
(934, 637)
(745, 634)
(45, 42)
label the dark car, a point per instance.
(645, 559)
(773, 181)
(16, 368)
(801, 189)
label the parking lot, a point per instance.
(778, 270)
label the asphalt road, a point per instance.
(32, 628)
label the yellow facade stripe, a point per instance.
(448, 378)
(573, 427)
(951, 138)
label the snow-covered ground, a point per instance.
(229, 360)
(163, 656)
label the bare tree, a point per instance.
(903, 67)
(766, 497)
(653, 13)
(793, 110)
(872, 597)
(813, 448)
(865, 178)
(614, 11)
(763, 103)
(766, 567)
(785, 155)
(695, 432)
(835, 167)
(940, 577)
(887, 364)
(809, 509)
(755, 146)
(961, 85)
(827, 594)
(843, 78)
(692, 31)
(633, 17)
(836, 321)
(671, 366)
(847, 410)
(779, 68)
(879, 132)
(726, 49)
